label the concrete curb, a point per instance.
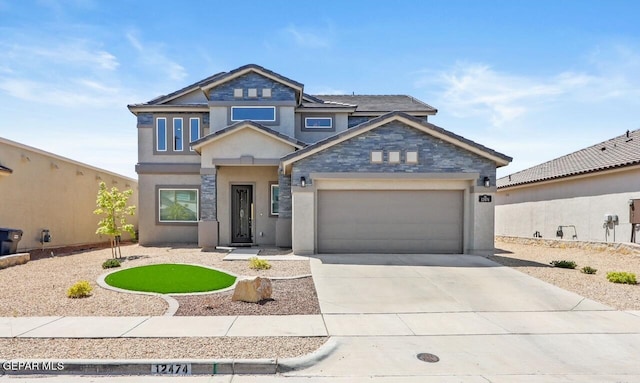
(173, 367)
(138, 367)
(306, 361)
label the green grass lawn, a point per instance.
(170, 278)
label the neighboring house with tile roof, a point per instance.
(575, 194)
(246, 157)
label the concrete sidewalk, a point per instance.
(161, 326)
(345, 325)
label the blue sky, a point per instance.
(531, 79)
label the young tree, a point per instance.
(112, 204)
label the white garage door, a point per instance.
(386, 221)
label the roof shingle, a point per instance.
(380, 103)
(614, 153)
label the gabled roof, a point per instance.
(180, 92)
(220, 78)
(436, 131)
(256, 69)
(620, 151)
(198, 144)
(380, 103)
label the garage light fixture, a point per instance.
(303, 182)
(487, 182)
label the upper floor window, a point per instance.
(194, 129)
(253, 113)
(161, 134)
(318, 123)
(178, 136)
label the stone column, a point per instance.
(208, 224)
(283, 223)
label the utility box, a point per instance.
(634, 211)
(9, 239)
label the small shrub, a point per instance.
(80, 289)
(564, 264)
(259, 264)
(589, 270)
(110, 263)
(622, 277)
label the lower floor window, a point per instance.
(275, 199)
(178, 205)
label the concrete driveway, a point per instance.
(485, 323)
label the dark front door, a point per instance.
(241, 209)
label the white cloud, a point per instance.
(76, 93)
(78, 53)
(307, 38)
(477, 89)
(152, 56)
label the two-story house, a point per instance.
(246, 157)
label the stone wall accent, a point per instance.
(285, 196)
(434, 155)
(279, 92)
(208, 200)
(145, 119)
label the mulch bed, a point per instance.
(289, 297)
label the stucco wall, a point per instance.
(153, 232)
(582, 202)
(244, 142)
(46, 191)
(147, 152)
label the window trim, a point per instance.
(175, 141)
(271, 194)
(394, 153)
(191, 139)
(275, 117)
(373, 161)
(160, 189)
(411, 153)
(158, 136)
(311, 127)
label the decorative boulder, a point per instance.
(252, 290)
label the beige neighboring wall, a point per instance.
(579, 201)
(46, 191)
(261, 177)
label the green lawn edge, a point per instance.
(170, 278)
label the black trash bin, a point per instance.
(9, 239)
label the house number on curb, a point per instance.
(171, 369)
(484, 198)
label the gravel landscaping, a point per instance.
(39, 287)
(160, 348)
(290, 297)
(534, 259)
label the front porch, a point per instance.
(244, 198)
(243, 206)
